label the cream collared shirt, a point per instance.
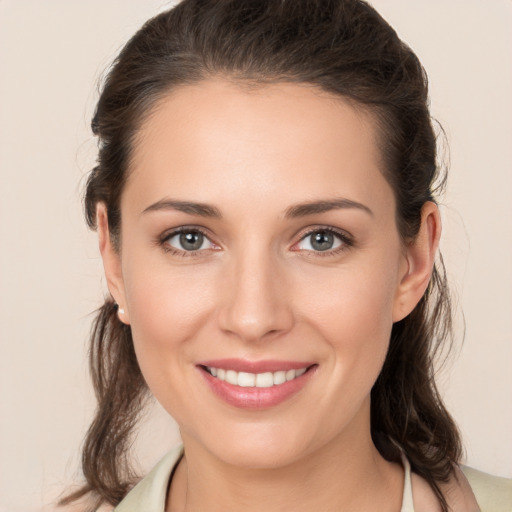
(494, 494)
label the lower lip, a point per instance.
(253, 397)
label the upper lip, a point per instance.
(244, 365)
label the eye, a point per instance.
(323, 240)
(188, 240)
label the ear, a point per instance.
(419, 261)
(111, 263)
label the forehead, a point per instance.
(218, 138)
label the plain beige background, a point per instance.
(51, 56)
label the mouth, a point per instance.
(257, 380)
(267, 385)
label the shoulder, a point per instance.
(468, 490)
(493, 493)
(150, 493)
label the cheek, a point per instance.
(352, 302)
(167, 308)
(353, 314)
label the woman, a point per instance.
(265, 205)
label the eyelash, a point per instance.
(162, 241)
(347, 241)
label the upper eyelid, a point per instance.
(304, 232)
(343, 234)
(169, 233)
(346, 242)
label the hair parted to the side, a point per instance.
(343, 47)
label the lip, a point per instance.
(254, 398)
(267, 365)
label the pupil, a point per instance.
(191, 241)
(322, 241)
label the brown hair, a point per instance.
(341, 46)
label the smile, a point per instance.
(258, 380)
(256, 385)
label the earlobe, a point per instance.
(420, 257)
(111, 263)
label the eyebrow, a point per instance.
(302, 210)
(296, 211)
(201, 209)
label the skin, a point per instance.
(257, 289)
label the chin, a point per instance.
(258, 446)
(249, 455)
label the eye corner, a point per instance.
(179, 249)
(340, 241)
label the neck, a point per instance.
(347, 474)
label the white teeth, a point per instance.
(290, 375)
(232, 377)
(259, 380)
(246, 380)
(264, 380)
(279, 377)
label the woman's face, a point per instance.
(259, 237)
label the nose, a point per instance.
(255, 305)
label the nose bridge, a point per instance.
(255, 305)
